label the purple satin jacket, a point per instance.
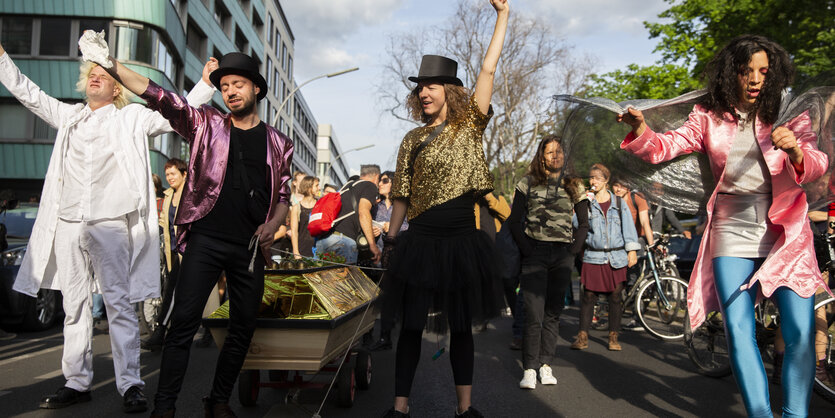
(207, 130)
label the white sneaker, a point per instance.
(528, 380)
(546, 376)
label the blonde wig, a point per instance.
(121, 100)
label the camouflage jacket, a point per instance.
(549, 211)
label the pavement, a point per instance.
(648, 378)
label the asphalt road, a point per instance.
(647, 378)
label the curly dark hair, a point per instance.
(723, 72)
(457, 99)
(537, 171)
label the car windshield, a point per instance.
(19, 221)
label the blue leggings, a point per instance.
(797, 326)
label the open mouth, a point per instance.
(235, 101)
(753, 93)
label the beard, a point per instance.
(247, 109)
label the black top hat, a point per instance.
(239, 64)
(436, 67)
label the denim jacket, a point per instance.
(609, 232)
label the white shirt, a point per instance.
(94, 186)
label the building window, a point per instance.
(284, 58)
(94, 25)
(223, 18)
(216, 52)
(133, 44)
(269, 33)
(277, 43)
(276, 80)
(240, 41)
(258, 25)
(290, 67)
(269, 71)
(17, 35)
(245, 6)
(55, 37)
(196, 41)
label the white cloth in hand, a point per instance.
(94, 48)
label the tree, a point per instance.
(699, 28)
(534, 64)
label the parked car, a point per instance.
(17, 309)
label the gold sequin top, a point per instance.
(451, 165)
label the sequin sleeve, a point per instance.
(476, 118)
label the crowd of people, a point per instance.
(433, 224)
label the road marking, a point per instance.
(50, 375)
(31, 355)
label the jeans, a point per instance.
(797, 327)
(545, 275)
(338, 244)
(205, 258)
(98, 306)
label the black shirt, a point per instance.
(350, 226)
(243, 201)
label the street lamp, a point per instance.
(287, 99)
(325, 167)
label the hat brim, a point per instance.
(442, 79)
(256, 78)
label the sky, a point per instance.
(332, 35)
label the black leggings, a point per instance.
(408, 355)
(615, 308)
(408, 350)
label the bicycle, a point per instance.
(661, 313)
(707, 346)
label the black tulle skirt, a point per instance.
(444, 271)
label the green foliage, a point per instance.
(697, 29)
(651, 82)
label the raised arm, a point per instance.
(44, 106)
(484, 82)
(202, 92)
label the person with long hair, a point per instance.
(611, 247)
(443, 262)
(175, 175)
(300, 214)
(757, 242)
(544, 207)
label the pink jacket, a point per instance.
(791, 262)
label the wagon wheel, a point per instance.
(362, 370)
(248, 384)
(347, 385)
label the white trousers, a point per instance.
(100, 249)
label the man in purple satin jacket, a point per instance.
(236, 193)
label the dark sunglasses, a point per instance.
(385, 180)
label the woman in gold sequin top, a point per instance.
(443, 262)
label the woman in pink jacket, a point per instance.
(757, 241)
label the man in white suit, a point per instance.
(97, 218)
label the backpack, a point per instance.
(323, 216)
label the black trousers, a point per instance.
(543, 281)
(204, 260)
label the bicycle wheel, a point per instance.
(827, 303)
(707, 346)
(663, 322)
